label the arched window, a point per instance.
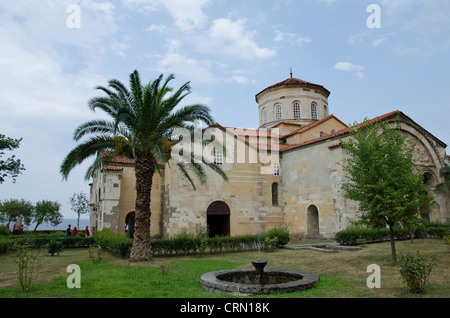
(274, 193)
(325, 111)
(322, 134)
(264, 116)
(276, 169)
(428, 178)
(296, 108)
(278, 112)
(314, 111)
(218, 157)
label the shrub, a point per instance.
(55, 246)
(359, 234)
(95, 254)
(447, 238)
(189, 244)
(41, 240)
(114, 243)
(77, 241)
(28, 266)
(5, 245)
(4, 230)
(279, 234)
(438, 230)
(415, 272)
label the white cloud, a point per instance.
(197, 70)
(47, 75)
(188, 14)
(173, 45)
(379, 41)
(232, 38)
(423, 16)
(347, 67)
(36, 56)
(328, 2)
(238, 79)
(357, 37)
(119, 47)
(292, 38)
(143, 5)
(156, 27)
(42, 25)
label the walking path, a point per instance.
(324, 247)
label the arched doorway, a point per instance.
(435, 215)
(218, 219)
(312, 221)
(129, 224)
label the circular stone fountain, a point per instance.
(257, 281)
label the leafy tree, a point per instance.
(445, 173)
(380, 176)
(10, 167)
(47, 212)
(11, 210)
(143, 119)
(79, 203)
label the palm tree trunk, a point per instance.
(144, 170)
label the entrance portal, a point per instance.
(312, 219)
(129, 224)
(218, 219)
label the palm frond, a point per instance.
(136, 91)
(83, 151)
(107, 104)
(93, 127)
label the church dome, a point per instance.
(292, 101)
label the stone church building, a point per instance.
(298, 189)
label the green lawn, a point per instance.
(342, 275)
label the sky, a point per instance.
(374, 56)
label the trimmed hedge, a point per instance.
(41, 240)
(179, 245)
(359, 235)
(5, 245)
(184, 244)
(115, 244)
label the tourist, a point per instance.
(69, 231)
(86, 231)
(75, 231)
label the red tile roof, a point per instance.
(307, 127)
(337, 144)
(287, 123)
(117, 159)
(293, 82)
(278, 147)
(343, 131)
(112, 168)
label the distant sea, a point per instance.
(62, 226)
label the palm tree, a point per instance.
(143, 119)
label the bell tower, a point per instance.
(292, 101)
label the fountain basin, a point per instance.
(248, 282)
